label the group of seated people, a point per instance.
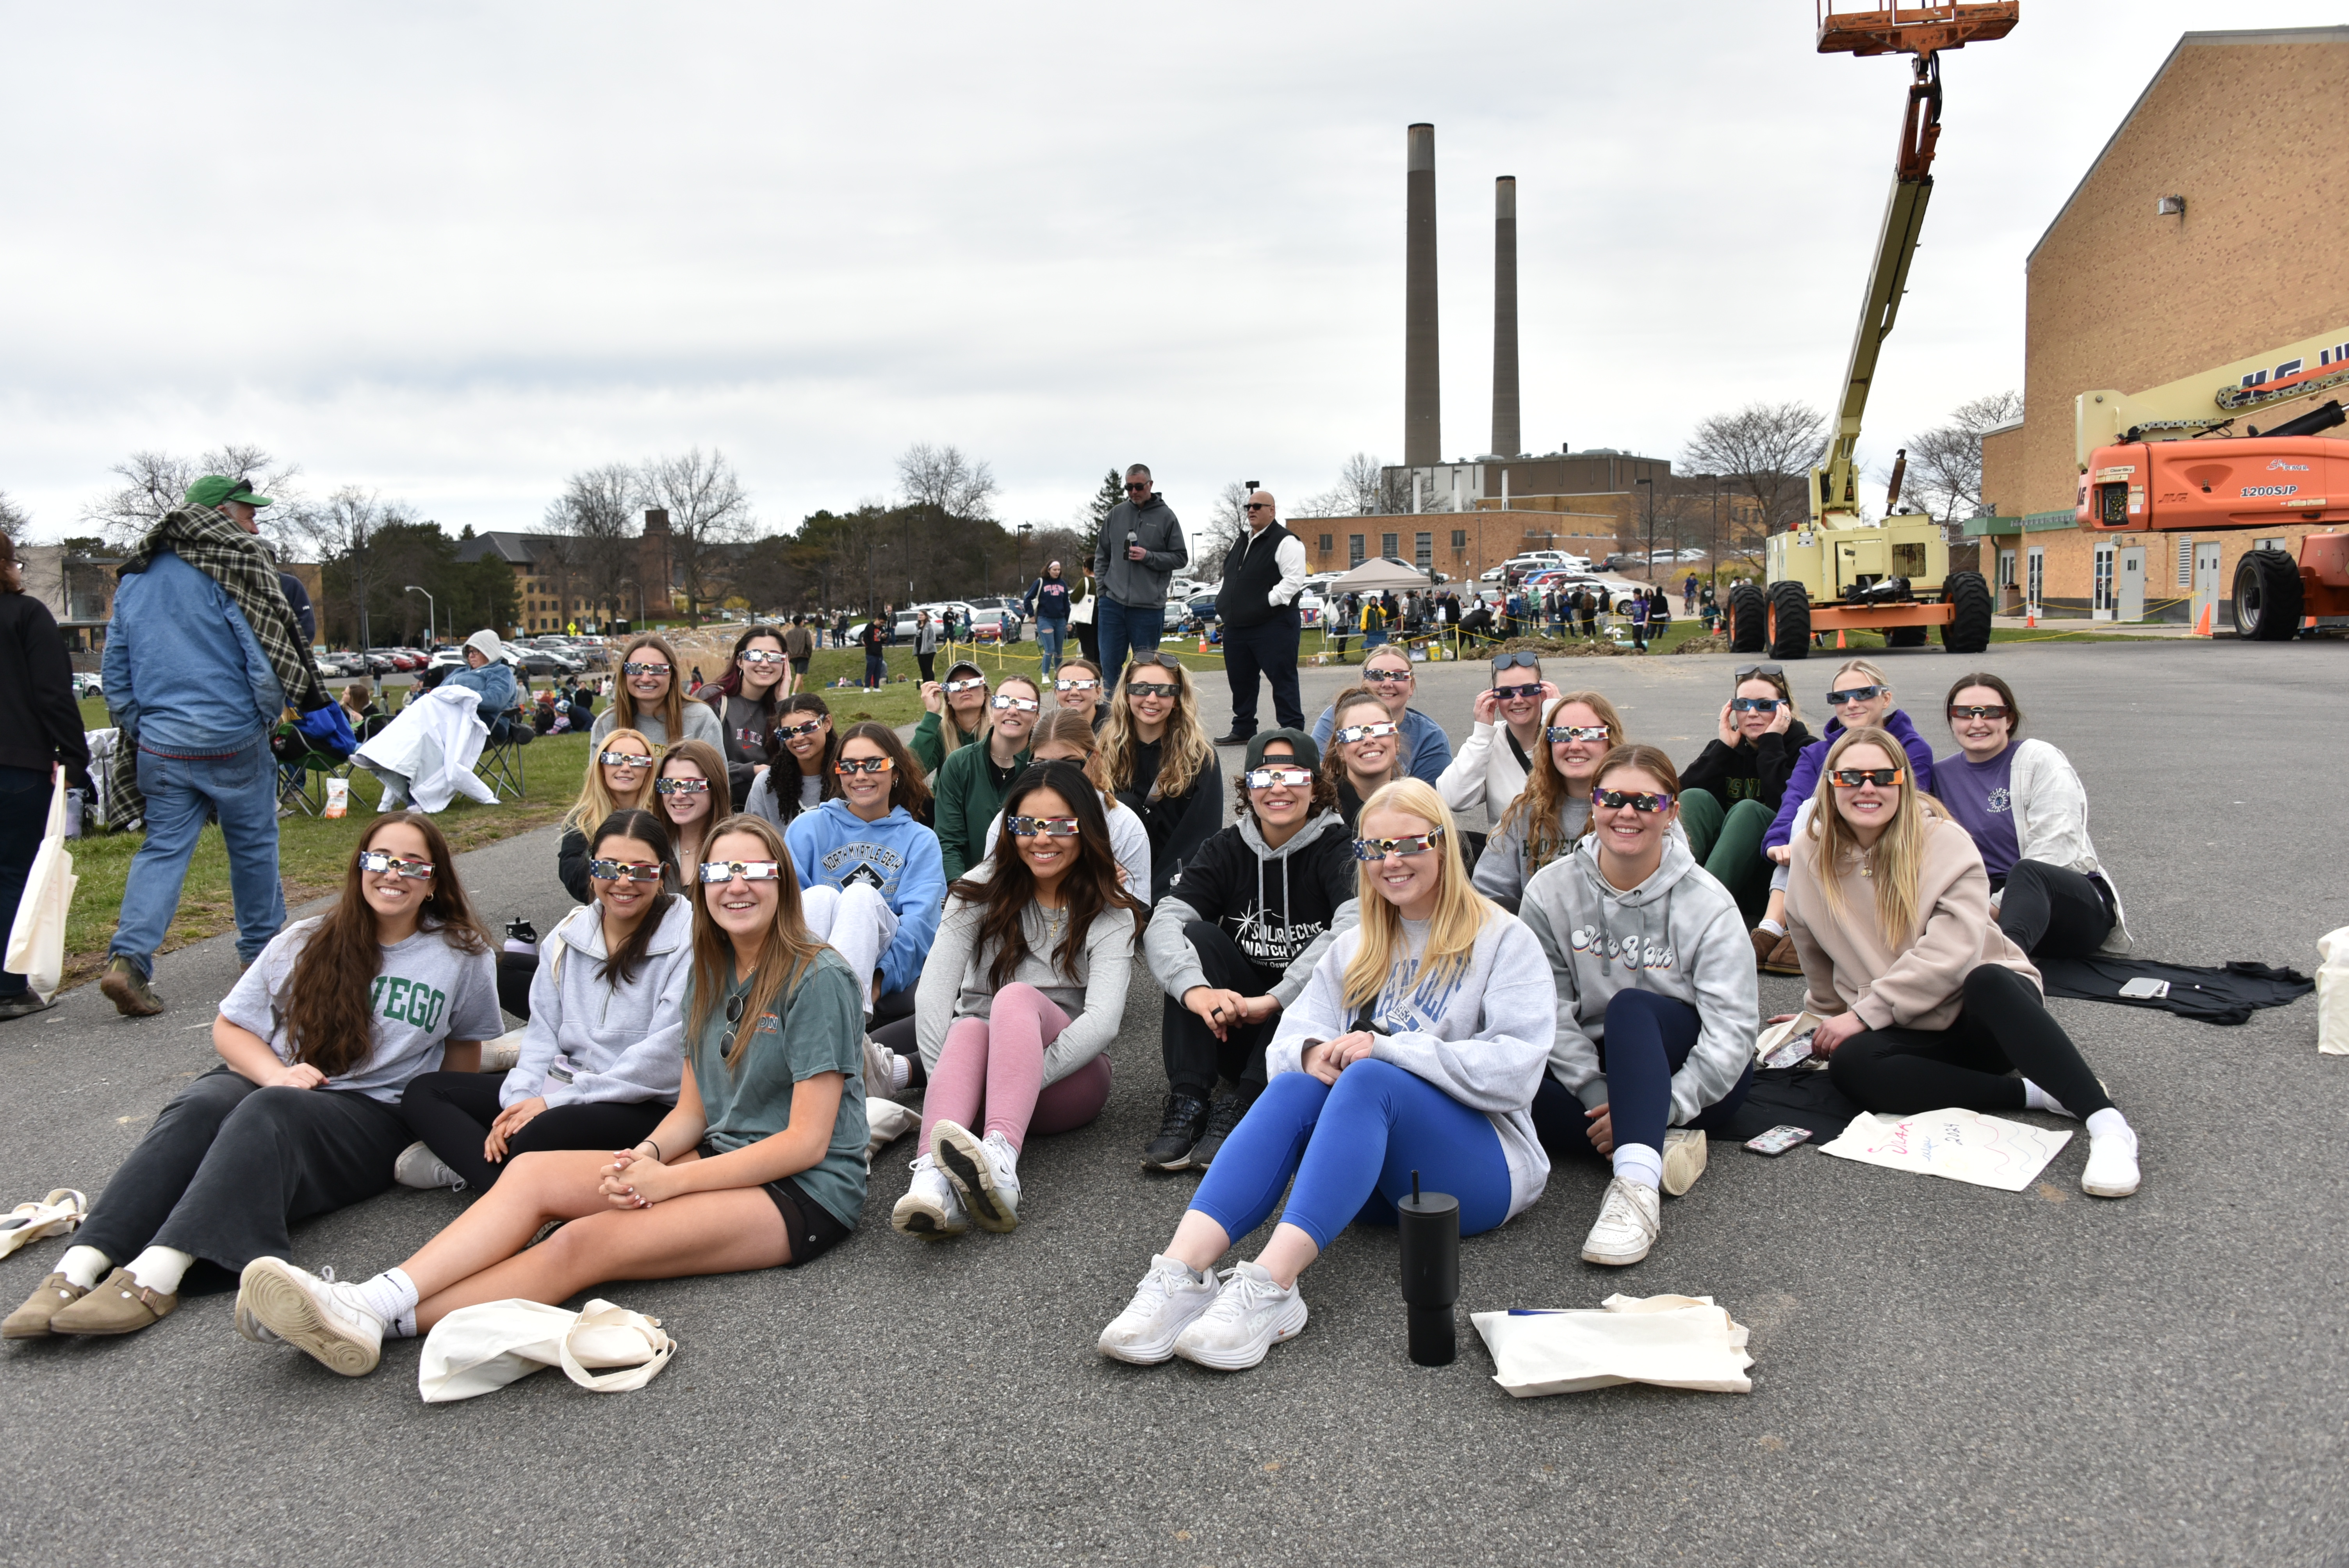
(1347, 1009)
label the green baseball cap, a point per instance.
(216, 489)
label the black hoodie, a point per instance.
(1755, 770)
(1281, 907)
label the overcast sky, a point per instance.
(455, 251)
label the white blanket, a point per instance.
(1963, 1145)
(431, 745)
(1670, 1341)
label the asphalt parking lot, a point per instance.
(1943, 1373)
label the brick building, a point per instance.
(2252, 129)
(1462, 519)
(562, 581)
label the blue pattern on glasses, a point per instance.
(1380, 849)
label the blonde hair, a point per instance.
(596, 802)
(1876, 676)
(1541, 804)
(1461, 910)
(788, 950)
(1893, 864)
(1067, 727)
(1184, 752)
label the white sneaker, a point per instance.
(931, 1209)
(1164, 1304)
(420, 1168)
(319, 1316)
(1248, 1317)
(880, 1069)
(1684, 1156)
(986, 1172)
(2112, 1165)
(1627, 1224)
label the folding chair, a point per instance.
(501, 765)
(302, 770)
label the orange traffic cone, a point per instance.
(2030, 616)
(2203, 626)
(1203, 644)
(1839, 636)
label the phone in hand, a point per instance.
(1778, 1140)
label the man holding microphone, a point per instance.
(1262, 573)
(1141, 550)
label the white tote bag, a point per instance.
(605, 1349)
(36, 942)
(1670, 1341)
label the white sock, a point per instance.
(901, 1073)
(161, 1269)
(85, 1266)
(1772, 926)
(2110, 1123)
(391, 1296)
(1638, 1163)
(2037, 1099)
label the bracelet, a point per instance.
(656, 1152)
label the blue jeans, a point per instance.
(24, 818)
(242, 789)
(1646, 1039)
(1353, 1148)
(1052, 636)
(876, 668)
(1125, 630)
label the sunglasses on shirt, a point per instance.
(1855, 694)
(746, 871)
(1041, 827)
(680, 786)
(1638, 800)
(382, 864)
(1853, 778)
(624, 871)
(1380, 849)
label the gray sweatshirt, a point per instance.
(1676, 934)
(615, 1042)
(1140, 583)
(1175, 963)
(956, 982)
(1481, 1037)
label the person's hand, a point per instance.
(1347, 1049)
(1315, 1059)
(1601, 1130)
(1833, 1032)
(1257, 1010)
(1550, 691)
(1727, 728)
(511, 1120)
(1487, 706)
(757, 768)
(1781, 853)
(635, 1179)
(1135, 553)
(299, 1075)
(1782, 1018)
(1217, 1008)
(1781, 719)
(934, 697)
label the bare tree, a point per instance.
(942, 478)
(15, 521)
(588, 549)
(153, 483)
(708, 512)
(1945, 463)
(1361, 491)
(1224, 522)
(1767, 450)
(342, 531)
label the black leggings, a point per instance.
(1195, 1058)
(452, 1112)
(2050, 911)
(2002, 1027)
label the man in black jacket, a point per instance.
(1264, 572)
(1141, 550)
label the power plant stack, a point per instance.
(1505, 318)
(1423, 418)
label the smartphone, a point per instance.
(1778, 1140)
(2151, 990)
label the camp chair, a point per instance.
(501, 765)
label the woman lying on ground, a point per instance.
(650, 698)
(1236, 940)
(744, 699)
(870, 881)
(1023, 991)
(1427, 749)
(1077, 688)
(1657, 1005)
(619, 778)
(318, 1038)
(1490, 768)
(1731, 794)
(2028, 815)
(969, 785)
(1927, 1004)
(689, 795)
(599, 1057)
(955, 715)
(1550, 813)
(762, 1163)
(1365, 753)
(1157, 758)
(802, 752)
(1417, 1047)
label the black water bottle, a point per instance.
(1429, 1223)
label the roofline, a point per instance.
(2339, 35)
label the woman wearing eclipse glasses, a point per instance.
(1365, 752)
(955, 715)
(1157, 759)
(869, 872)
(649, 698)
(802, 752)
(1925, 1002)
(1077, 688)
(1427, 749)
(1578, 729)
(969, 785)
(619, 774)
(689, 795)
(743, 699)
(316, 1039)
(760, 1165)
(1731, 794)
(1490, 768)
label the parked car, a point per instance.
(87, 684)
(1199, 607)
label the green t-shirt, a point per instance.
(818, 1028)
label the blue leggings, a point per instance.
(1353, 1148)
(1647, 1038)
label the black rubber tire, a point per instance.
(1790, 630)
(1749, 619)
(1904, 636)
(2267, 596)
(1967, 631)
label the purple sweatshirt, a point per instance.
(1804, 780)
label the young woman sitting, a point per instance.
(1543, 822)
(1067, 735)
(969, 785)
(1926, 1003)
(1417, 1047)
(744, 700)
(870, 876)
(649, 698)
(2028, 815)
(1077, 688)
(689, 795)
(318, 1038)
(762, 1163)
(955, 715)
(1657, 1005)
(1427, 749)
(619, 777)
(1236, 939)
(803, 752)
(1023, 991)
(1157, 759)
(599, 1057)
(1731, 794)
(1365, 753)
(1490, 768)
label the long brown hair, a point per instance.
(730, 684)
(1090, 887)
(1184, 752)
(788, 950)
(1894, 862)
(1067, 727)
(1333, 764)
(706, 757)
(908, 788)
(1994, 682)
(672, 709)
(1541, 804)
(778, 756)
(329, 998)
(646, 828)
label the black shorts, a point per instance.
(799, 666)
(811, 1226)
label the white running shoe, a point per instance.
(317, 1316)
(1164, 1304)
(2112, 1165)
(1684, 1155)
(880, 1069)
(419, 1167)
(986, 1172)
(931, 1209)
(1628, 1221)
(1248, 1317)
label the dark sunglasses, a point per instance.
(1166, 661)
(1853, 778)
(1991, 710)
(624, 871)
(1516, 693)
(1380, 849)
(1136, 488)
(1754, 704)
(1519, 659)
(1024, 705)
(1151, 689)
(863, 765)
(382, 864)
(1041, 827)
(680, 786)
(1637, 801)
(1259, 506)
(1855, 694)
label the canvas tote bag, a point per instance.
(36, 942)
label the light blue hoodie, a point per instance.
(832, 846)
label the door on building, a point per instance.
(2006, 604)
(2035, 576)
(2131, 605)
(2101, 607)
(2206, 583)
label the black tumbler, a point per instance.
(1429, 1223)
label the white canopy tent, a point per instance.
(1379, 575)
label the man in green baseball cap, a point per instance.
(234, 498)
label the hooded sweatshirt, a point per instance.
(591, 1041)
(1140, 584)
(1426, 747)
(1676, 934)
(1805, 781)
(1480, 1035)
(1282, 907)
(898, 857)
(1756, 769)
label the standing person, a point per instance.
(1427, 750)
(926, 644)
(619, 775)
(1657, 1003)
(840, 630)
(802, 752)
(970, 784)
(1688, 595)
(649, 698)
(1157, 758)
(1077, 688)
(40, 731)
(1084, 602)
(1049, 601)
(1238, 938)
(1578, 729)
(1641, 606)
(1505, 735)
(744, 700)
(1925, 1002)
(1587, 603)
(1141, 550)
(799, 647)
(201, 658)
(873, 638)
(1729, 795)
(316, 1041)
(1374, 623)
(1338, 624)
(954, 715)
(689, 795)
(1264, 572)
(1365, 753)
(870, 877)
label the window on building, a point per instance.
(2186, 561)
(1353, 550)
(1387, 545)
(1423, 550)
(1326, 543)
(1459, 538)
(2006, 568)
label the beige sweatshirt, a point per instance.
(1847, 963)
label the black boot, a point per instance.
(1220, 1121)
(1178, 1132)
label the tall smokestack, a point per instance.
(1423, 414)
(1505, 318)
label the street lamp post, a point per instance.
(1651, 527)
(429, 614)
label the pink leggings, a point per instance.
(997, 1063)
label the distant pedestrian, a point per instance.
(1085, 605)
(926, 643)
(874, 640)
(40, 731)
(1048, 599)
(1640, 605)
(1264, 572)
(1141, 550)
(695, 688)
(1688, 595)
(799, 648)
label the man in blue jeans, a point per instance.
(196, 694)
(1141, 550)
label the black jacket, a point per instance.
(746, 724)
(1273, 906)
(1251, 571)
(1753, 770)
(1177, 824)
(571, 862)
(40, 723)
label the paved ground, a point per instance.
(1943, 1373)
